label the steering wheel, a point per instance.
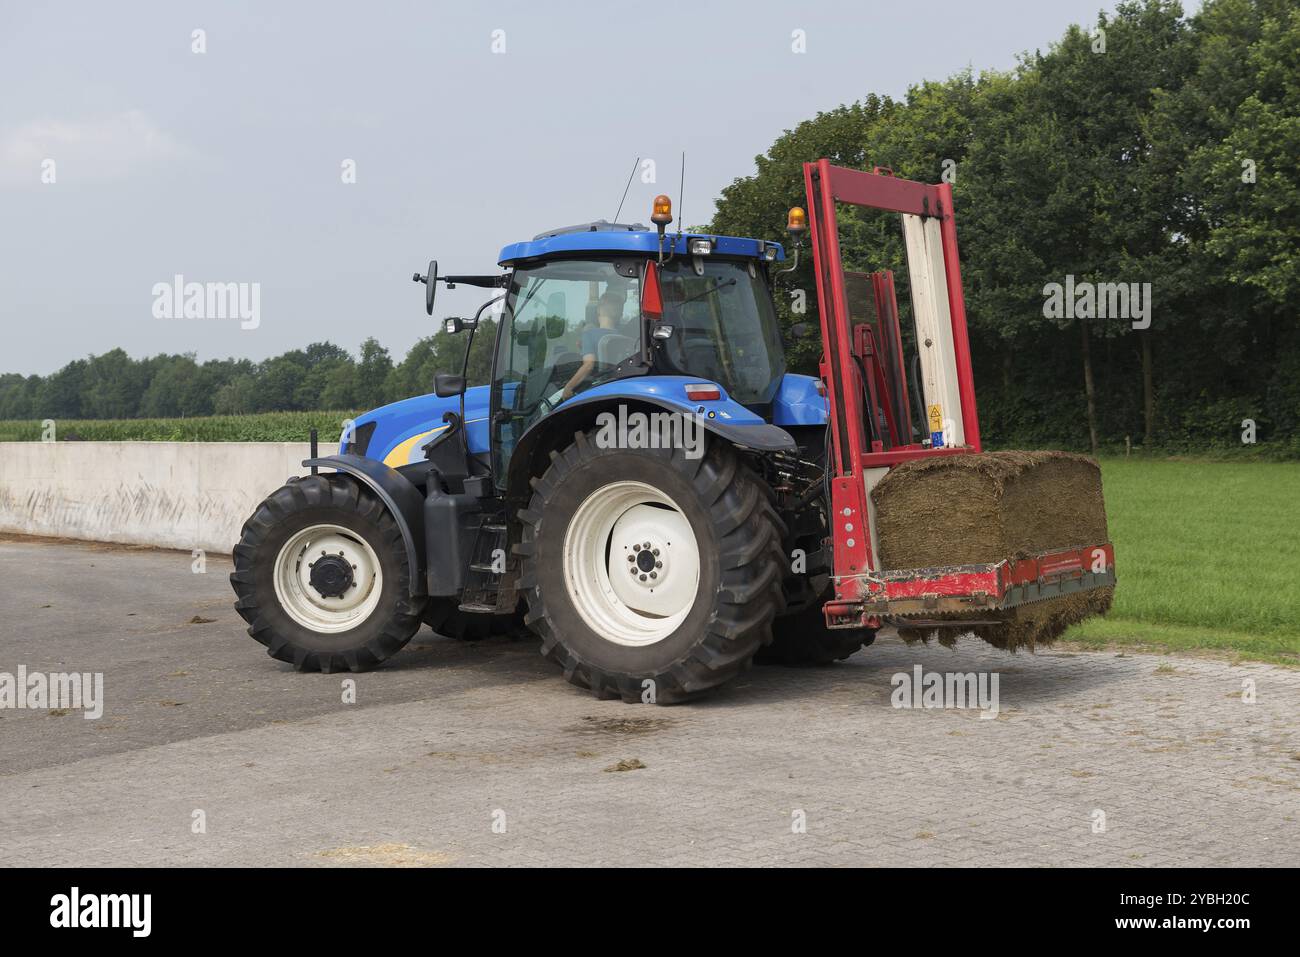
(549, 402)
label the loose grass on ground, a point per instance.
(1207, 557)
(261, 427)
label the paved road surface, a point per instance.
(464, 754)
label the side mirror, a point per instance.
(430, 280)
(448, 384)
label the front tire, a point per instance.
(652, 592)
(322, 578)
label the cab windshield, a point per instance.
(724, 327)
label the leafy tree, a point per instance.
(280, 381)
(372, 372)
(179, 387)
(239, 396)
(113, 386)
(324, 352)
(311, 391)
(61, 395)
(340, 388)
(17, 396)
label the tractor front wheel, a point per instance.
(322, 576)
(650, 575)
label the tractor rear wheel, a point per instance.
(650, 575)
(322, 576)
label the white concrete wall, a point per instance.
(169, 494)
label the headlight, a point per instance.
(701, 247)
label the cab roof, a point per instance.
(634, 238)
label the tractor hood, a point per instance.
(396, 434)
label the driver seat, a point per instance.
(613, 349)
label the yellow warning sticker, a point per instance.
(936, 419)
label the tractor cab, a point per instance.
(593, 304)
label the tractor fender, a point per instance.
(799, 401)
(723, 417)
(402, 499)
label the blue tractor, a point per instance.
(646, 488)
(641, 483)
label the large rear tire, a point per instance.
(322, 576)
(650, 592)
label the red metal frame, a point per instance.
(863, 595)
(826, 185)
(957, 308)
(867, 350)
(971, 589)
(852, 552)
(891, 344)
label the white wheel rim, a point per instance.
(631, 563)
(302, 601)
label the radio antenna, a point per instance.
(627, 187)
(681, 192)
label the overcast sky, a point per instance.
(227, 165)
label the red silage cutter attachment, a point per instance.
(874, 426)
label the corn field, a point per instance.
(258, 427)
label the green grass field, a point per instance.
(262, 427)
(1207, 557)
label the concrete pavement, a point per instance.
(481, 754)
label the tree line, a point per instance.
(321, 376)
(1152, 148)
